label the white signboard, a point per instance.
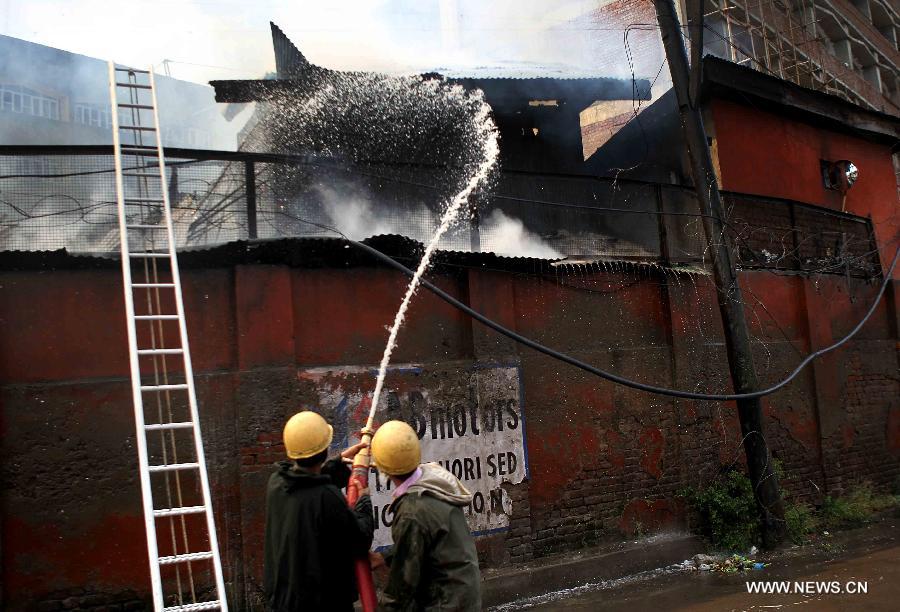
(470, 421)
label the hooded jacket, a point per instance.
(312, 538)
(434, 564)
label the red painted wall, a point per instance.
(766, 154)
(602, 458)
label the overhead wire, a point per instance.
(621, 380)
(610, 376)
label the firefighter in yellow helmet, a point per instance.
(312, 537)
(433, 563)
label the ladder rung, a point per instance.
(156, 200)
(149, 255)
(143, 174)
(134, 70)
(163, 387)
(151, 285)
(195, 607)
(140, 128)
(179, 511)
(197, 556)
(133, 85)
(171, 351)
(143, 106)
(156, 317)
(171, 467)
(168, 426)
(141, 226)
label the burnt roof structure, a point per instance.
(538, 118)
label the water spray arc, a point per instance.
(359, 478)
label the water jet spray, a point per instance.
(359, 478)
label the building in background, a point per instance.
(844, 48)
(848, 49)
(52, 97)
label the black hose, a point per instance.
(609, 375)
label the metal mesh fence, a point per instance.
(50, 202)
(776, 234)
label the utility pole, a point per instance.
(728, 291)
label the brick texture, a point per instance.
(604, 461)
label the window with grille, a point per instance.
(18, 99)
(92, 114)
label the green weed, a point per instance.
(727, 512)
(854, 509)
(801, 522)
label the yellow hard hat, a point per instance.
(395, 448)
(306, 434)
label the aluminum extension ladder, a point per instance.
(185, 569)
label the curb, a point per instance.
(561, 572)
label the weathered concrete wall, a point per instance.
(602, 459)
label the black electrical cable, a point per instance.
(609, 375)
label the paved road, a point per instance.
(878, 569)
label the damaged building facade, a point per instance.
(282, 315)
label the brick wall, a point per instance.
(611, 20)
(604, 460)
(861, 447)
(609, 27)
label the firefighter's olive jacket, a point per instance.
(433, 563)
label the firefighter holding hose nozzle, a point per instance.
(312, 536)
(433, 562)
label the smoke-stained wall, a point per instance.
(602, 460)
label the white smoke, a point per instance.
(508, 236)
(356, 216)
(353, 213)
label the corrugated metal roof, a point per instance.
(309, 252)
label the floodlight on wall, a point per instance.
(840, 176)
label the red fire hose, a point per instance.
(359, 481)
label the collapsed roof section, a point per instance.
(538, 118)
(294, 72)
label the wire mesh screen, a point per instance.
(685, 236)
(562, 216)
(316, 199)
(68, 201)
(784, 235)
(55, 202)
(209, 201)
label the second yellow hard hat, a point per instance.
(395, 448)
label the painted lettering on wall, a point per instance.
(469, 421)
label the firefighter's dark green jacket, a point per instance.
(433, 563)
(312, 538)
